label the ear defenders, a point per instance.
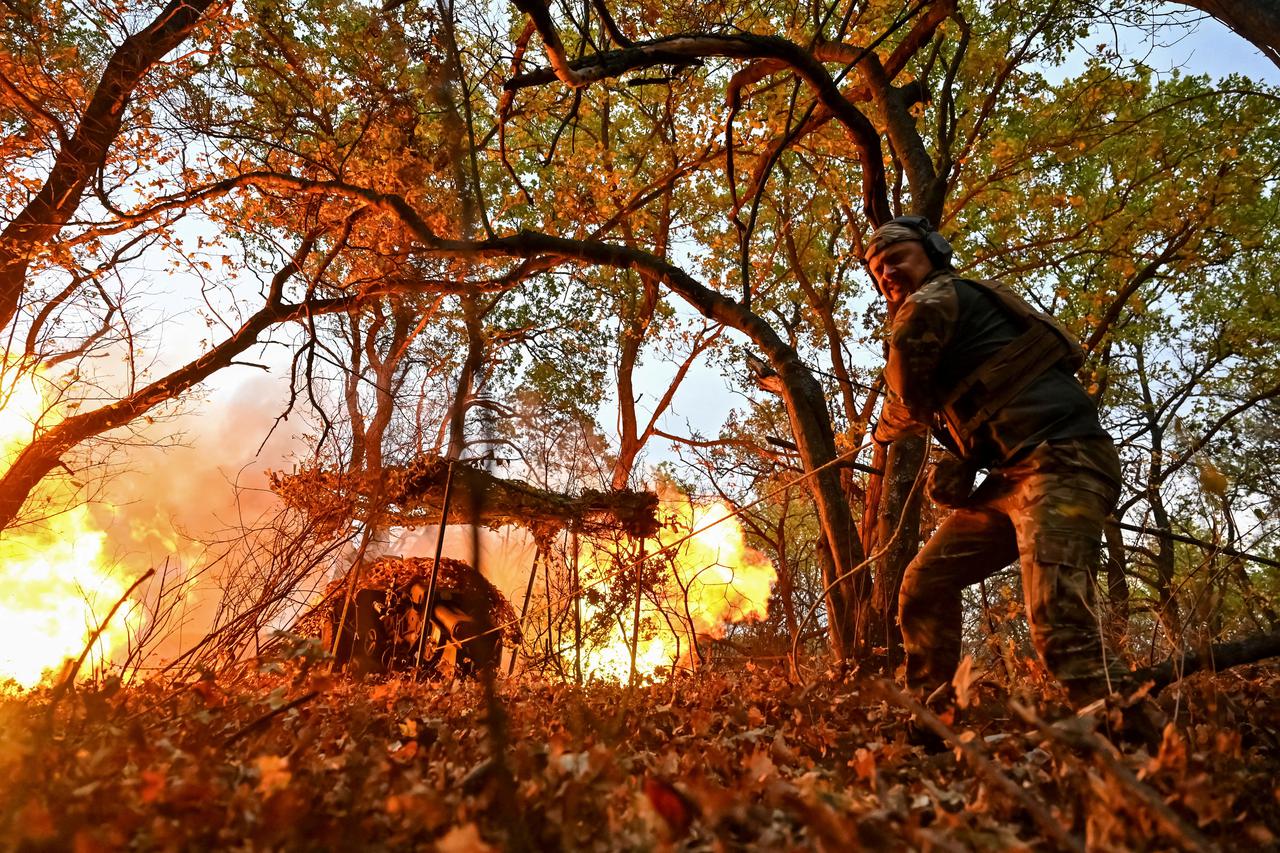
(935, 245)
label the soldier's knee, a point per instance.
(923, 592)
(912, 607)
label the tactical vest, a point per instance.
(1002, 377)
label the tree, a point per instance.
(1136, 225)
(956, 140)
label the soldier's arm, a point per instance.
(921, 331)
(895, 420)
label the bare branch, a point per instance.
(81, 158)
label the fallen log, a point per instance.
(1218, 656)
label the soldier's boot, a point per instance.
(941, 702)
(918, 734)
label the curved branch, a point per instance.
(563, 70)
(1147, 273)
(927, 192)
(43, 454)
(610, 25)
(83, 155)
(686, 50)
(1212, 429)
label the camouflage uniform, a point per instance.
(1054, 477)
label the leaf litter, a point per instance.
(289, 758)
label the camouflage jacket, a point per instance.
(940, 335)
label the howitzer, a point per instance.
(384, 627)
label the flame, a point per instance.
(54, 586)
(712, 578)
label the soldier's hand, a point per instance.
(950, 482)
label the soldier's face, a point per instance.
(900, 270)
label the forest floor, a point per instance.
(288, 757)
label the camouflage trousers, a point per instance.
(1047, 512)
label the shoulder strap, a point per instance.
(1021, 309)
(995, 382)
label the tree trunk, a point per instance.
(870, 527)
(899, 514)
(1117, 626)
(1220, 656)
(351, 392)
(468, 375)
(1165, 563)
(385, 366)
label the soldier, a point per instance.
(994, 380)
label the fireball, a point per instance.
(713, 579)
(54, 587)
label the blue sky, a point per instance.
(1204, 47)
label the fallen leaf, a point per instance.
(863, 764)
(674, 807)
(273, 773)
(464, 839)
(781, 752)
(405, 753)
(153, 785)
(963, 681)
(35, 823)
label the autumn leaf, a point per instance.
(404, 753)
(781, 751)
(1212, 480)
(864, 764)
(209, 692)
(464, 839)
(273, 773)
(153, 785)
(35, 822)
(963, 681)
(674, 807)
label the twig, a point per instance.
(70, 677)
(1187, 836)
(980, 762)
(275, 712)
(1200, 543)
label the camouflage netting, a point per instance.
(455, 579)
(412, 496)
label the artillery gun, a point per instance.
(470, 618)
(382, 632)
